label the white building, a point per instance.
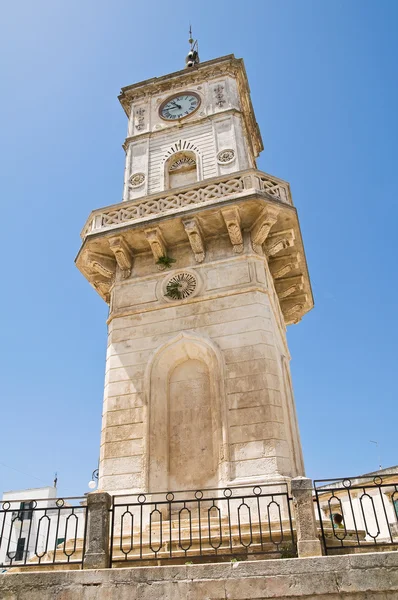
(34, 525)
(360, 510)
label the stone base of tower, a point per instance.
(198, 391)
(356, 577)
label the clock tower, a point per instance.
(203, 267)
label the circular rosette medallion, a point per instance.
(137, 179)
(226, 156)
(181, 286)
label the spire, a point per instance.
(192, 58)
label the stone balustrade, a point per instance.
(205, 192)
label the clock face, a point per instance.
(178, 107)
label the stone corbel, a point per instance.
(195, 237)
(123, 254)
(261, 228)
(102, 285)
(293, 308)
(279, 241)
(101, 263)
(231, 218)
(157, 244)
(288, 286)
(283, 265)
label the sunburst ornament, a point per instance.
(181, 286)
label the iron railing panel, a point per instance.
(358, 511)
(53, 533)
(195, 524)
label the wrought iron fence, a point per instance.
(358, 512)
(42, 532)
(205, 524)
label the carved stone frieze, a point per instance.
(283, 265)
(279, 241)
(288, 286)
(231, 218)
(122, 254)
(262, 227)
(195, 237)
(157, 244)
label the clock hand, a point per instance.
(177, 105)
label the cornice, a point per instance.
(175, 79)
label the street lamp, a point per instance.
(94, 480)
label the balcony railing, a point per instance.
(202, 192)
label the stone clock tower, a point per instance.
(203, 266)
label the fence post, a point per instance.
(308, 543)
(96, 555)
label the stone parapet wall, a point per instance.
(357, 577)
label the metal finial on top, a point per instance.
(192, 58)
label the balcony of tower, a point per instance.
(251, 210)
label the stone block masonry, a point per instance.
(355, 577)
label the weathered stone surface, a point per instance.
(357, 577)
(97, 542)
(307, 542)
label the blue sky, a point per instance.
(324, 88)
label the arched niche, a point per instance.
(187, 444)
(180, 169)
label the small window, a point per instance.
(181, 169)
(19, 555)
(25, 511)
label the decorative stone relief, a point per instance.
(195, 237)
(181, 162)
(122, 254)
(157, 244)
(140, 121)
(102, 285)
(261, 228)
(231, 218)
(288, 286)
(224, 157)
(219, 94)
(137, 179)
(293, 309)
(100, 263)
(279, 241)
(283, 265)
(102, 269)
(180, 286)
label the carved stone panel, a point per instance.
(157, 244)
(122, 254)
(231, 218)
(195, 237)
(279, 241)
(288, 286)
(281, 266)
(262, 227)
